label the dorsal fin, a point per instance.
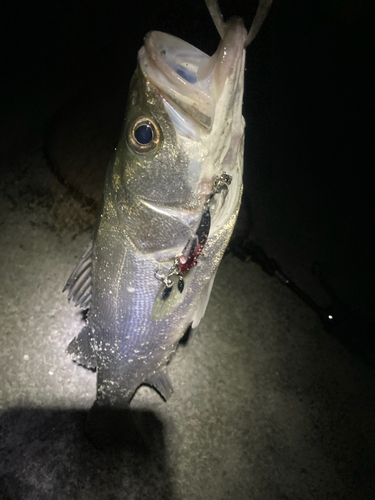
(79, 283)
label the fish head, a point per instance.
(183, 128)
(203, 97)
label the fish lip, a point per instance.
(165, 59)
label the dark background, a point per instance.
(308, 105)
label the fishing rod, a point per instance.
(354, 331)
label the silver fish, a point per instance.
(171, 199)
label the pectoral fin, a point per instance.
(202, 304)
(161, 382)
(80, 349)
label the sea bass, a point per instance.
(171, 198)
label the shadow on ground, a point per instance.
(47, 454)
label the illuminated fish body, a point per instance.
(171, 198)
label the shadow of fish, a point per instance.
(172, 192)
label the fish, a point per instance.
(171, 197)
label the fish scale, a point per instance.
(171, 198)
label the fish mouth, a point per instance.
(188, 78)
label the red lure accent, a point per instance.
(195, 245)
(189, 255)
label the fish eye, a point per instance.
(143, 135)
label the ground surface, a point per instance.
(266, 403)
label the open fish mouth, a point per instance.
(189, 79)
